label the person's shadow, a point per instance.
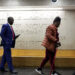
(6, 73)
(73, 73)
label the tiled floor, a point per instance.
(31, 71)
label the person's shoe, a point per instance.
(52, 74)
(13, 72)
(39, 71)
(3, 70)
(55, 73)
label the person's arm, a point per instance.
(49, 34)
(3, 32)
(58, 44)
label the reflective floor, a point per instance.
(31, 71)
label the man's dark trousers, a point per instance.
(7, 58)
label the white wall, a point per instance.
(31, 24)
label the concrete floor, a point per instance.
(31, 71)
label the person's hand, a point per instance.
(58, 44)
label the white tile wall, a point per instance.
(32, 24)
